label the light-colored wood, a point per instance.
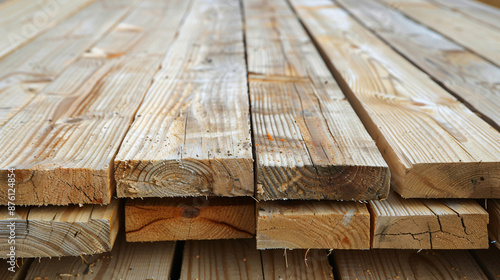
(309, 142)
(493, 208)
(162, 219)
(126, 261)
(474, 10)
(428, 224)
(56, 231)
(480, 38)
(296, 264)
(221, 259)
(435, 146)
(191, 136)
(489, 261)
(62, 144)
(26, 71)
(312, 224)
(407, 264)
(493, 3)
(470, 77)
(23, 20)
(20, 270)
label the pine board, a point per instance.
(312, 224)
(19, 271)
(434, 145)
(191, 135)
(471, 78)
(407, 264)
(56, 231)
(29, 69)
(309, 142)
(489, 261)
(474, 10)
(221, 259)
(296, 264)
(162, 219)
(23, 20)
(66, 138)
(483, 39)
(126, 261)
(428, 224)
(493, 208)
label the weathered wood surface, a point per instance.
(483, 39)
(191, 135)
(296, 264)
(23, 20)
(407, 264)
(493, 208)
(489, 261)
(475, 10)
(428, 224)
(470, 77)
(435, 146)
(309, 142)
(62, 144)
(312, 224)
(158, 219)
(29, 69)
(126, 261)
(221, 259)
(56, 231)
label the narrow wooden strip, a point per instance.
(22, 21)
(407, 264)
(191, 135)
(435, 146)
(483, 39)
(296, 264)
(312, 224)
(18, 272)
(221, 259)
(475, 10)
(56, 231)
(63, 143)
(25, 72)
(470, 77)
(489, 261)
(493, 208)
(309, 142)
(428, 224)
(126, 261)
(196, 218)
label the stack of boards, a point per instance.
(221, 132)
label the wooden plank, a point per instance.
(23, 20)
(493, 208)
(26, 71)
(312, 224)
(63, 143)
(407, 264)
(474, 10)
(428, 224)
(309, 142)
(221, 259)
(434, 145)
(191, 135)
(488, 260)
(296, 264)
(56, 231)
(20, 269)
(126, 261)
(482, 39)
(162, 219)
(471, 78)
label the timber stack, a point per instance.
(249, 139)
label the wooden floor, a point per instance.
(250, 139)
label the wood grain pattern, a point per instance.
(62, 144)
(191, 136)
(428, 224)
(407, 264)
(488, 260)
(20, 270)
(29, 69)
(56, 231)
(435, 146)
(23, 20)
(221, 259)
(493, 208)
(162, 219)
(296, 264)
(471, 78)
(483, 39)
(126, 261)
(309, 142)
(312, 224)
(475, 10)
